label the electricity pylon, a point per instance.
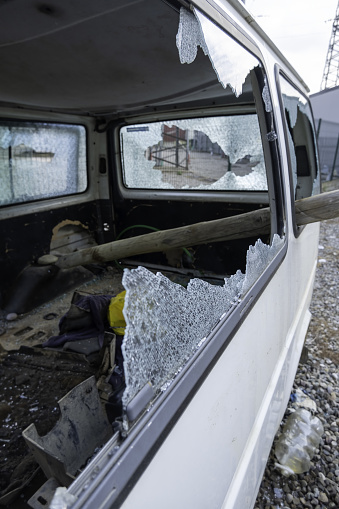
(331, 70)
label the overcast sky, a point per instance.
(301, 29)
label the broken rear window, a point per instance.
(220, 152)
(41, 160)
(213, 153)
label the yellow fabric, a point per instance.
(115, 315)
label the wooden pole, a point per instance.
(251, 224)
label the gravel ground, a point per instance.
(318, 378)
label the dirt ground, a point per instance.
(32, 381)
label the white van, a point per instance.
(120, 119)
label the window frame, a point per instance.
(30, 121)
(181, 194)
(279, 72)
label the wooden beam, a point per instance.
(317, 208)
(251, 224)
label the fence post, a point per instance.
(334, 160)
(318, 129)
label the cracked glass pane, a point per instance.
(229, 60)
(167, 323)
(41, 161)
(301, 141)
(212, 153)
(267, 97)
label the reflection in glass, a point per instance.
(213, 153)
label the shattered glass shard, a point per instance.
(230, 61)
(258, 258)
(166, 323)
(266, 97)
(189, 37)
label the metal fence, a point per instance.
(328, 144)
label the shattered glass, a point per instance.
(189, 37)
(229, 60)
(41, 161)
(225, 151)
(258, 258)
(167, 323)
(267, 97)
(299, 112)
(138, 170)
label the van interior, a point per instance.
(116, 123)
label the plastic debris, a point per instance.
(115, 314)
(62, 499)
(298, 442)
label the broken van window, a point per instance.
(212, 153)
(166, 322)
(301, 140)
(40, 160)
(208, 153)
(230, 61)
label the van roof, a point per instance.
(88, 57)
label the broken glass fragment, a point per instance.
(230, 61)
(137, 163)
(5, 137)
(266, 97)
(61, 499)
(189, 37)
(167, 323)
(258, 258)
